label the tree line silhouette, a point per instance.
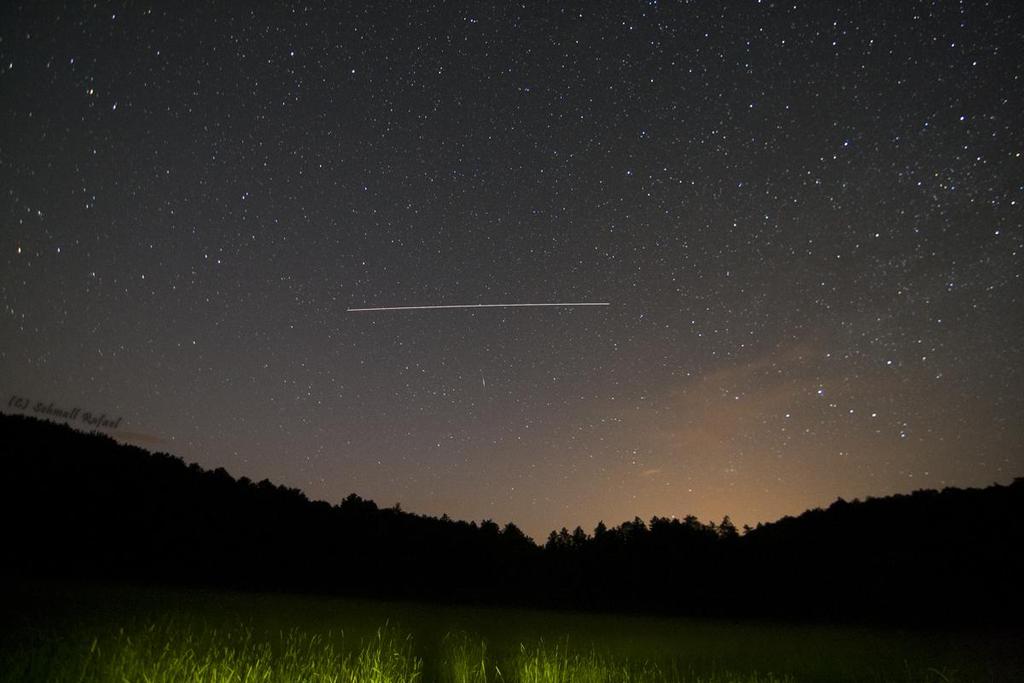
(80, 505)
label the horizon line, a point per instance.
(530, 305)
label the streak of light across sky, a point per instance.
(427, 308)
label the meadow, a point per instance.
(90, 633)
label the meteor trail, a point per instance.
(427, 308)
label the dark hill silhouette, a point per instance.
(958, 551)
(83, 506)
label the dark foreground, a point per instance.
(87, 507)
(102, 632)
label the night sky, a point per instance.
(806, 219)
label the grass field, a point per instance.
(104, 633)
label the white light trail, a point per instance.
(430, 308)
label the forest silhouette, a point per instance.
(82, 506)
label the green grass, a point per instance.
(91, 634)
(173, 652)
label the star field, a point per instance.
(806, 218)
